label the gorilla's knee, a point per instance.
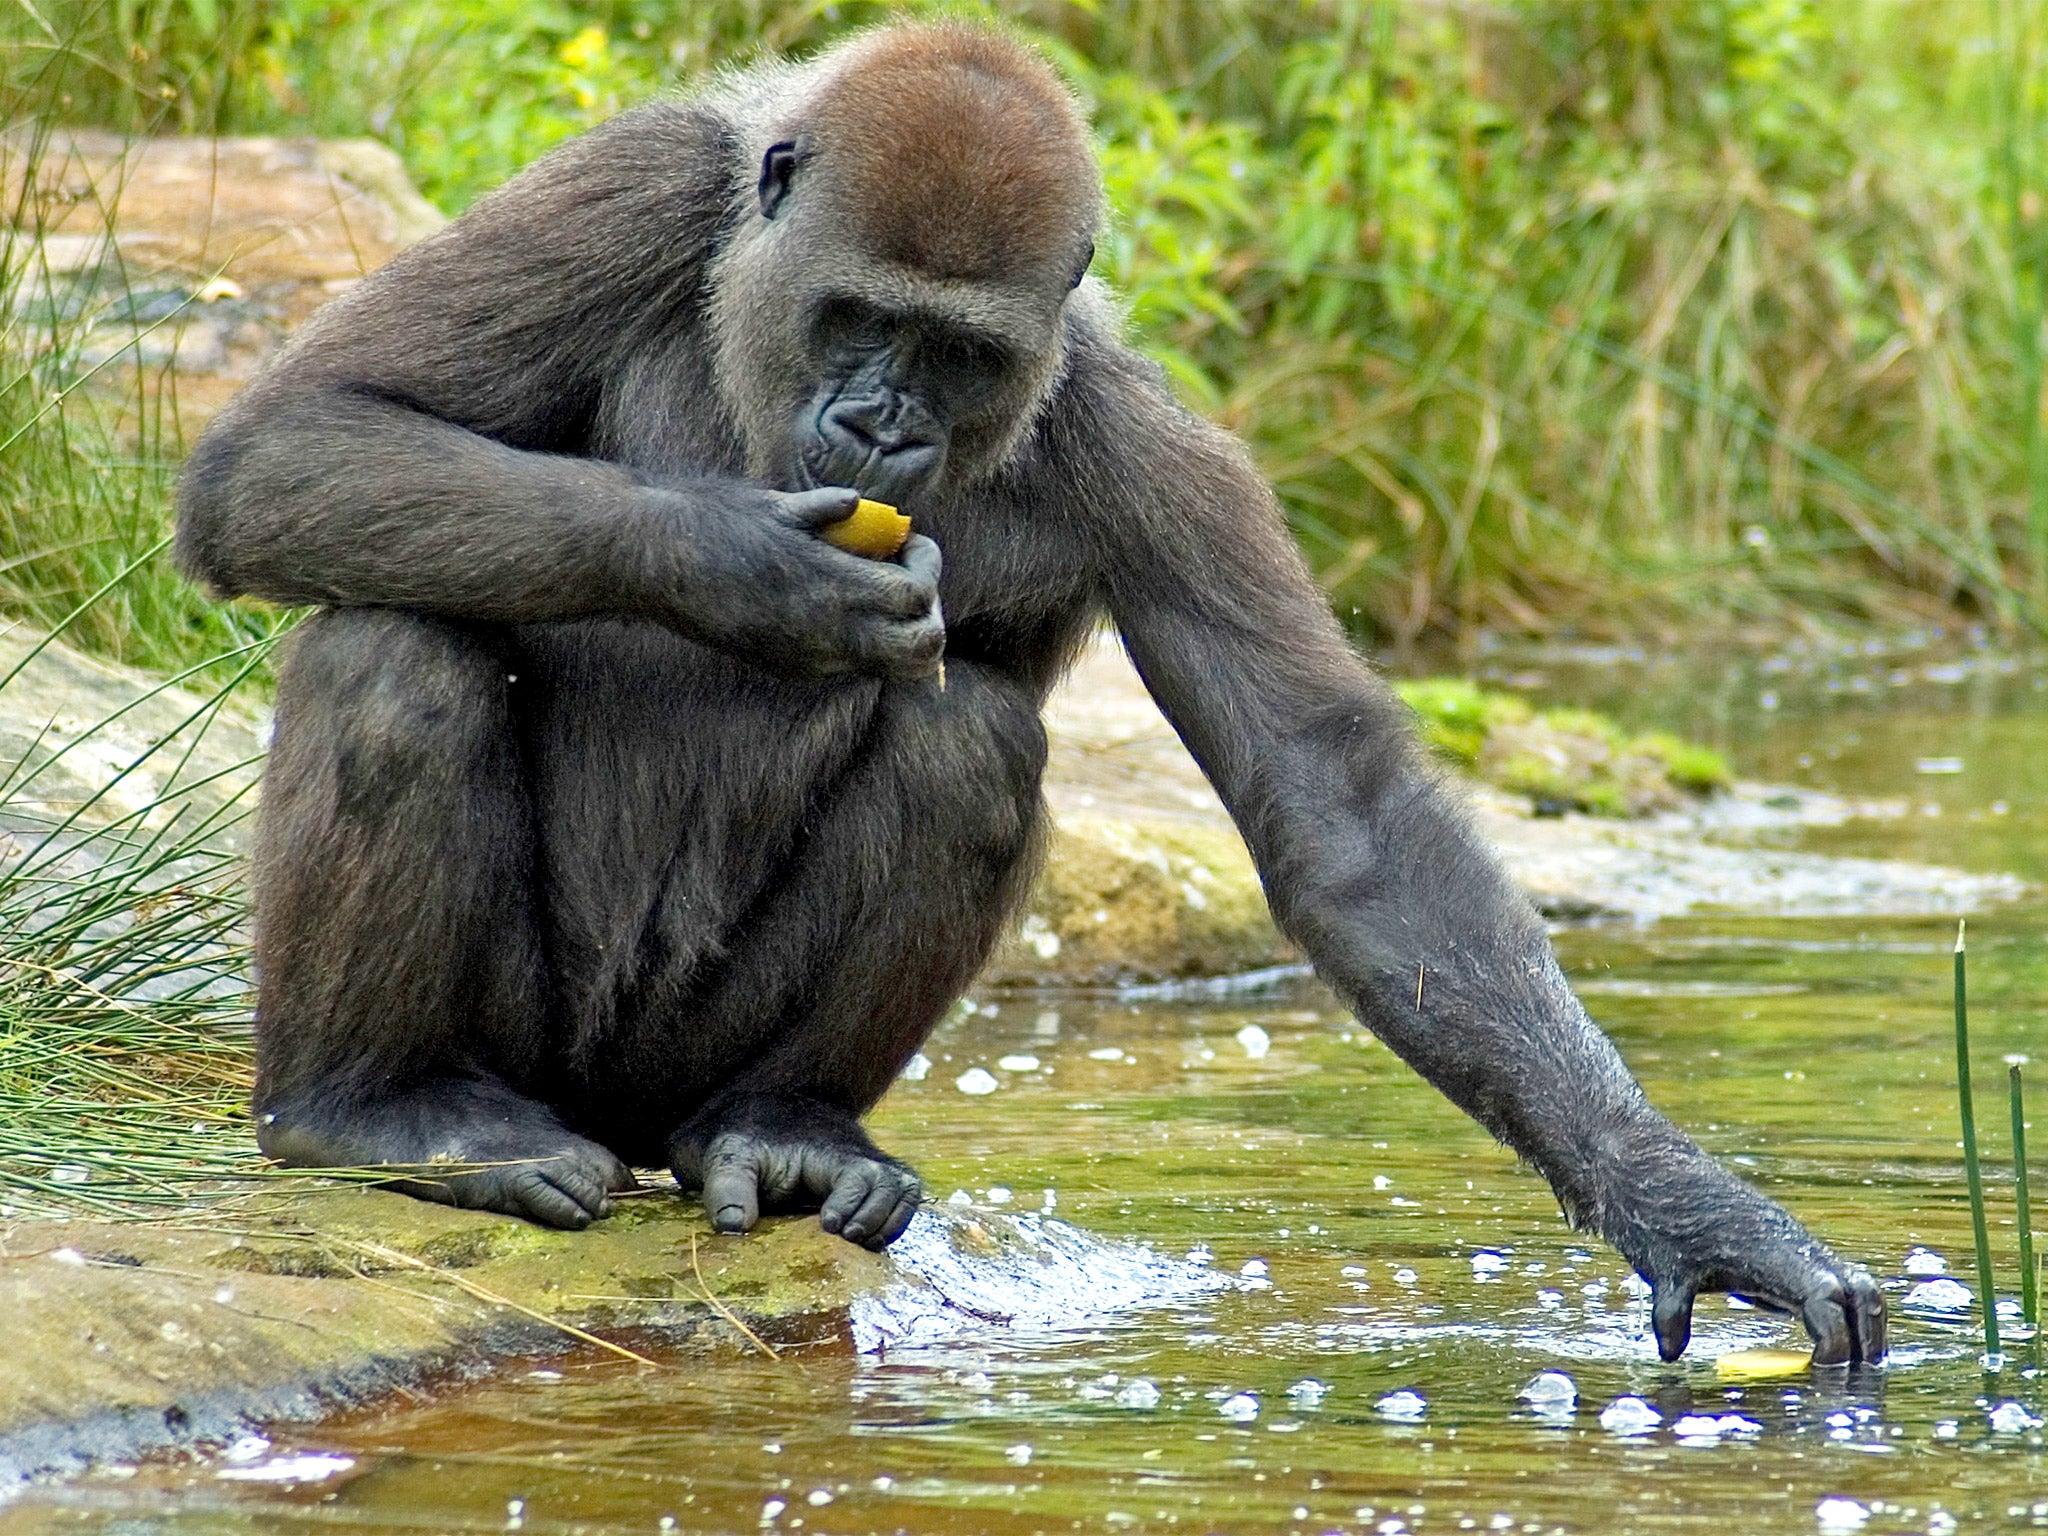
(403, 703)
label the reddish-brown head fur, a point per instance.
(958, 152)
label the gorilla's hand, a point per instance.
(1730, 1238)
(750, 1153)
(753, 577)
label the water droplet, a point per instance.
(1256, 1041)
(1835, 1516)
(1629, 1416)
(1240, 1408)
(1551, 1392)
(975, 1082)
(917, 1069)
(2010, 1418)
(1019, 1063)
(1404, 1405)
(1309, 1393)
(1140, 1394)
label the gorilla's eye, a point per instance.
(968, 360)
(850, 326)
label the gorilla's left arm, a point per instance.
(1371, 867)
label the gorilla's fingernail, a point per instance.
(730, 1218)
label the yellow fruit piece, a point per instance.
(875, 530)
(1762, 1364)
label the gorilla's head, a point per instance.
(890, 307)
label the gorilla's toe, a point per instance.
(871, 1202)
(569, 1189)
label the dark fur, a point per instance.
(612, 817)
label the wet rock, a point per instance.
(118, 1339)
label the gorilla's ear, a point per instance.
(1081, 271)
(778, 167)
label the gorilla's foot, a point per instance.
(755, 1152)
(502, 1151)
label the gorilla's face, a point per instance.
(892, 387)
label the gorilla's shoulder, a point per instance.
(678, 162)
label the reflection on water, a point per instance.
(1315, 1297)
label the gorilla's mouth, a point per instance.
(891, 476)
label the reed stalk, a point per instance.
(1986, 1294)
(2030, 1302)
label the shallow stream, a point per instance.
(1384, 1280)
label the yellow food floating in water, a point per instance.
(875, 530)
(1761, 1364)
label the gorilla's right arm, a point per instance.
(1369, 864)
(424, 442)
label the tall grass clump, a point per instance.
(124, 1041)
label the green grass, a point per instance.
(125, 1045)
(1640, 314)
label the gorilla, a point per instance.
(615, 817)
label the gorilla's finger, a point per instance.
(1827, 1319)
(1671, 1316)
(1866, 1317)
(904, 652)
(812, 510)
(732, 1193)
(920, 556)
(880, 588)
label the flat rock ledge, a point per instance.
(117, 1339)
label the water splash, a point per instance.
(967, 1270)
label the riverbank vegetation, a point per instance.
(1649, 314)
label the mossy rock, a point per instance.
(1125, 900)
(1564, 758)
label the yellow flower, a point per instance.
(586, 50)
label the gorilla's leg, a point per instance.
(907, 874)
(402, 1000)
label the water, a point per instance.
(1374, 1283)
